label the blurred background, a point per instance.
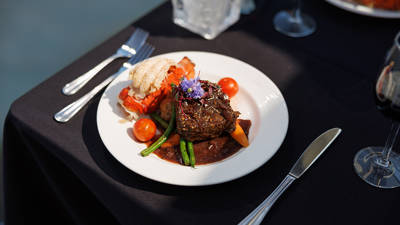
(39, 38)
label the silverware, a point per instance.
(313, 151)
(128, 49)
(69, 111)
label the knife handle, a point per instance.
(258, 214)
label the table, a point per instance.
(62, 173)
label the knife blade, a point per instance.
(313, 151)
(309, 156)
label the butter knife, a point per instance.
(309, 156)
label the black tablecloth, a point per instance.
(62, 173)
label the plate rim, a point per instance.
(365, 10)
(284, 126)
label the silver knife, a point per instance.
(313, 151)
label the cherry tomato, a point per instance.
(144, 129)
(229, 86)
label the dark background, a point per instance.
(326, 80)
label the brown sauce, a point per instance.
(209, 151)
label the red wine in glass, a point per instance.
(387, 93)
(380, 166)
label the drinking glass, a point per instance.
(248, 6)
(379, 166)
(206, 17)
(294, 23)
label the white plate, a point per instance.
(364, 10)
(258, 99)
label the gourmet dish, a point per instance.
(180, 117)
(380, 4)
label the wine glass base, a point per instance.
(292, 26)
(368, 166)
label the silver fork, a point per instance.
(70, 110)
(127, 50)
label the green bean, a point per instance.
(191, 153)
(157, 118)
(185, 157)
(163, 137)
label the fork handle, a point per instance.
(73, 86)
(70, 110)
(258, 214)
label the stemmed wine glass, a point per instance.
(380, 166)
(294, 23)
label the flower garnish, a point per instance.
(192, 88)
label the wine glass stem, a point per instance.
(383, 160)
(296, 11)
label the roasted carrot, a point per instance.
(239, 135)
(173, 140)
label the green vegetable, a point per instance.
(163, 137)
(191, 153)
(157, 118)
(185, 157)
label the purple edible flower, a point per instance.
(192, 87)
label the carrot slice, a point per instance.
(239, 135)
(173, 140)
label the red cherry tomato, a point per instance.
(144, 129)
(229, 86)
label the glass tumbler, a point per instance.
(207, 18)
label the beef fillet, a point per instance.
(205, 118)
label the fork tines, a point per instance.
(136, 40)
(143, 53)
